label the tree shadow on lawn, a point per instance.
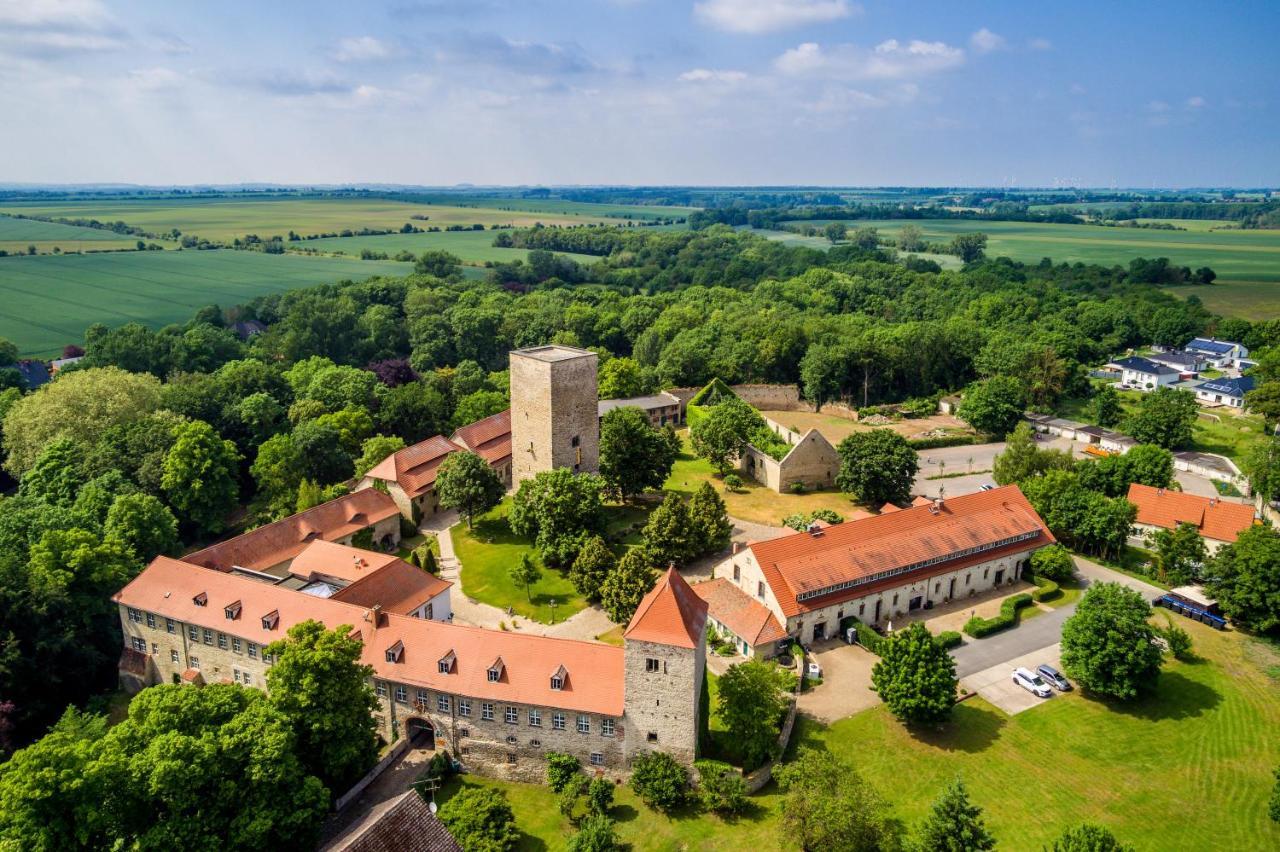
(971, 729)
(1177, 697)
(497, 530)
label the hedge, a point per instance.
(715, 390)
(977, 627)
(947, 441)
(874, 642)
(950, 639)
(1046, 589)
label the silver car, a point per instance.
(1031, 682)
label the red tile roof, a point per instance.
(414, 468)
(1216, 519)
(405, 824)
(328, 559)
(489, 438)
(857, 551)
(397, 587)
(278, 542)
(595, 684)
(670, 614)
(749, 619)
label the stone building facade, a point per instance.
(554, 411)
(812, 462)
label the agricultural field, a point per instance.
(225, 218)
(474, 247)
(17, 234)
(559, 206)
(51, 299)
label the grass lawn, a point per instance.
(488, 552)
(754, 502)
(613, 636)
(1187, 768)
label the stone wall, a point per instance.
(223, 657)
(771, 397)
(662, 706)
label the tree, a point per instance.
(722, 434)
(594, 563)
(278, 470)
(751, 703)
(709, 522)
(57, 474)
(993, 406)
(822, 370)
(1107, 644)
(621, 378)
(599, 796)
(319, 685)
(668, 534)
(910, 238)
(557, 510)
(968, 247)
(724, 790)
(878, 467)
(413, 412)
(561, 769)
(915, 676)
(1273, 808)
(441, 264)
(80, 406)
(1053, 563)
(826, 804)
(465, 482)
(143, 524)
(1088, 838)
(525, 573)
(867, 239)
(480, 819)
(1106, 408)
(955, 824)
(1164, 418)
(634, 457)
(325, 459)
(626, 585)
(200, 476)
(1180, 553)
(595, 833)
(659, 780)
(1264, 400)
(1244, 577)
(374, 450)
(835, 231)
(478, 405)
(1021, 457)
(1262, 466)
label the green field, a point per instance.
(474, 247)
(635, 212)
(1187, 768)
(17, 234)
(223, 219)
(50, 300)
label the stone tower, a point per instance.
(554, 417)
(665, 659)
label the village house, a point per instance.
(490, 439)
(1217, 353)
(409, 476)
(1218, 521)
(661, 408)
(1228, 392)
(1145, 374)
(1186, 363)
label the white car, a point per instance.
(1031, 682)
(813, 670)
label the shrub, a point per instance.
(480, 818)
(868, 638)
(599, 796)
(441, 765)
(723, 788)
(659, 780)
(797, 488)
(408, 529)
(921, 407)
(595, 834)
(1046, 590)
(977, 627)
(733, 482)
(1053, 563)
(561, 768)
(1179, 640)
(944, 441)
(950, 639)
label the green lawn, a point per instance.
(1188, 768)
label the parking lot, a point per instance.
(996, 683)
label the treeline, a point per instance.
(1249, 214)
(596, 240)
(116, 227)
(774, 217)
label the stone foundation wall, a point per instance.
(663, 704)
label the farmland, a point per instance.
(50, 300)
(474, 247)
(17, 234)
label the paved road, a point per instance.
(1039, 632)
(957, 460)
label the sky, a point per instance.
(687, 92)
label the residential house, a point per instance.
(1145, 374)
(1228, 392)
(1186, 363)
(1218, 521)
(409, 476)
(1218, 353)
(661, 408)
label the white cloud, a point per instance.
(46, 29)
(361, 49)
(1195, 102)
(889, 60)
(1040, 44)
(711, 75)
(1157, 106)
(155, 79)
(41, 14)
(985, 41)
(766, 16)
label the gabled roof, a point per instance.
(807, 571)
(1230, 387)
(1216, 519)
(414, 468)
(646, 403)
(1178, 359)
(1144, 365)
(404, 823)
(1211, 345)
(328, 559)
(489, 438)
(397, 587)
(749, 619)
(283, 540)
(670, 614)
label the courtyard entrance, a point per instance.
(420, 733)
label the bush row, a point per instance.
(874, 642)
(1046, 589)
(950, 638)
(977, 627)
(946, 441)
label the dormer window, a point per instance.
(558, 678)
(201, 599)
(495, 671)
(446, 664)
(396, 652)
(271, 619)
(232, 611)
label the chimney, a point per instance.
(736, 545)
(1213, 501)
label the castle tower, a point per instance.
(665, 659)
(554, 411)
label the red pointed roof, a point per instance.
(671, 614)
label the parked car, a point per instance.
(987, 487)
(813, 670)
(1031, 682)
(1054, 677)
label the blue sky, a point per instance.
(641, 92)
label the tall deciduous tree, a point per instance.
(969, 247)
(1105, 407)
(915, 676)
(374, 450)
(1244, 577)
(557, 510)
(1180, 553)
(143, 524)
(1164, 418)
(724, 431)
(466, 482)
(621, 378)
(1107, 644)
(627, 584)
(822, 371)
(955, 824)
(826, 804)
(592, 567)
(634, 457)
(200, 476)
(993, 406)
(751, 702)
(525, 573)
(878, 467)
(480, 819)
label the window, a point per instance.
(737, 572)
(173, 656)
(395, 652)
(402, 695)
(557, 683)
(535, 718)
(193, 662)
(937, 587)
(760, 589)
(652, 664)
(584, 724)
(494, 675)
(895, 598)
(464, 707)
(155, 648)
(464, 732)
(208, 636)
(446, 663)
(464, 751)
(168, 625)
(235, 675)
(575, 441)
(486, 711)
(222, 641)
(511, 740)
(597, 759)
(442, 703)
(151, 620)
(606, 727)
(270, 620)
(985, 572)
(557, 721)
(652, 736)
(232, 611)
(253, 650)
(511, 715)
(380, 688)
(511, 758)
(862, 608)
(431, 608)
(968, 578)
(235, 645)
(266, 658)
(422, 696)
(201, 599)
(139, 644)
(134, 615)
(536, 743)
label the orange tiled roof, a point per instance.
(889, 507)
(1216, 519)
(329, 559)
(277, 542)
(595, 683)
(414, 468)
(738, 611)
(489, 438)
(398, 587)
(804, 564)
(920, 500)
(670, 614)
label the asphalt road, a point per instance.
(1040, 632)
(950, 460)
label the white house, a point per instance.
(1188, 363)
(1219, 353)
(1229, 392)
(1145, 374)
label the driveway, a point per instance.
(846, 682)
(996, 683)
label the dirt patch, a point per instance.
(836, 429)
